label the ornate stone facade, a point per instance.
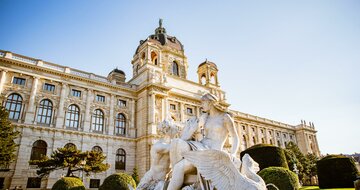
(58, 105)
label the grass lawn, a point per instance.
(317, 188)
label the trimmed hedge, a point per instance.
(118, 181)
(266, 155)
(282, 178)
(336, 171)
(68, 183)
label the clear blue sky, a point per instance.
(283, 60)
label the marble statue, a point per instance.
(216, 166)
(199, 151)
(154, 179)
(217, 126)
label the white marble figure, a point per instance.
(216, 166)
(217, 125)
(160, 161)
(200, 149)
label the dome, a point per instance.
(116, 70)
(160, 37)
(206, 62)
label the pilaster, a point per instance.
(29, 116)
(110, 129)
(2, 80)
(87, 117)
(61, 112)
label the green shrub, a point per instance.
(266, 155)
(336, 171)
(68, 183)
(118, 181)
(282, 178)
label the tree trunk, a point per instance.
(68, 172)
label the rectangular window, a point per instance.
(76, 93)
(122, 103)
(18, 81)
(172, 106)
(94, 183)
(33, 182)
(100, 98)
(189, 111)
(49, 87)
(2, 179)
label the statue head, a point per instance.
(209, 100)
(167, 128)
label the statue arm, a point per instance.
(229, 123)
(192, 125)
(162, 148)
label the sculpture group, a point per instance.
(192, 156)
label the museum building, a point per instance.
(55, 106)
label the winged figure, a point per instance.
(216, 166)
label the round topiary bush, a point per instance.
(282, 178)
(68, 183)
(266, 155)
(118, 181)
(336, 171)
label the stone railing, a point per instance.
(56, 67)
(261, 119)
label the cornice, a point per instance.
(4, 61)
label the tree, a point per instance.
(306, 165)
(72, 160)
(135, 176)
(7, 136)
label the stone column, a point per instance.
(166, 108)
(29, 116)
(182, 112)
(2, 80)
(61, 111)
(151, 116)
(111, 116)
(197, 111)
(132, 118)
(87, 116)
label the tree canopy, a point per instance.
(305, 164)
(7, 136)
(72, 160)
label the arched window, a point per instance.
(70, 145)
(175, 68)
(120, 124)
(254, 140)
(278, 143)
(72, 116)
(98, 120)
(45, 112)
(97, 149)
(137, 69)
(120, 161)
(262, 140)
(243, 143)
(38, 150)
(203, 79)
(154, 58)
(13, 105)
(271, 142)
(212, 78)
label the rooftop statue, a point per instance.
(202, 155)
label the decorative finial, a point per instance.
(206, 60)
(160, 22)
